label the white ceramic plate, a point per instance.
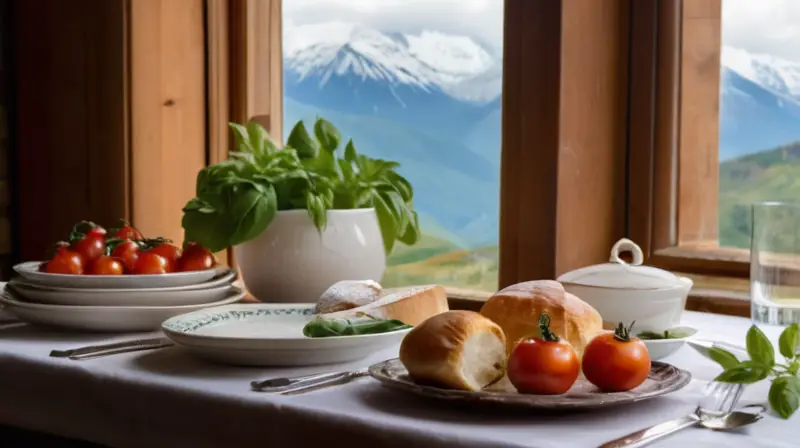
(661, 348)
(120, 297)
(211, 291)
(30, 272)
(268, 335)
(103, 318)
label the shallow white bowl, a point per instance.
(30, 272)
(661, 348)
(268, 335)
(102, 318)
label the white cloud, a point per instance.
(763, 26)
(481, 19)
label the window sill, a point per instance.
(704, 259)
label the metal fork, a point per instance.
(719, 399)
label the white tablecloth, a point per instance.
(167, 398)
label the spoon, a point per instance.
(735, 419)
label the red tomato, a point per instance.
(127, 232)
(616, 362)
(65, 262)
(196, 258)
(171, 252)
(90, 247)
(97, 232)
(151, 263)
(127, 253)
(544, 366)
(106, 266)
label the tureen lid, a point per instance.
(621, 275)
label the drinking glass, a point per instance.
(775, 263)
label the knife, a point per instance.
(702, 346)
(96, 351)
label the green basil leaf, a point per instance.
(241, 138)
(316, 211)
(412, 231)
(759, 347)
(327, 135)
(784, 395)
(401, 185)
(253, 206)
(258, 137)
(350, 153)
(301, 141)
(387, 223)
(789, 341)
(743, 374)
(398, 209)
(723, 357)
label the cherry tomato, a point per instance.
(90, 247)
(97, 232)
(106, 266)
(616, 362)
(65, 262)
(127, 232)
(127, 253)
(151, 263)
(170, 252)
(196, 258)
(544, 366)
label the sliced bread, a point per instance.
(409, 305)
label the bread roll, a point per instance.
(410, 305)
(517, 308)
(348, 294)
(456, 349)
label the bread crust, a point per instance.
(517, 308)
(432, 352)
(410, 305)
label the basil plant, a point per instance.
(237, 199)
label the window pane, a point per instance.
(417, 82)
(759, 151)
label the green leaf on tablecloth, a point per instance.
(784, 395)
(723, 357)
(789, 341)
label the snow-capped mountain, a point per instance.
(429, 61)
(760, 102)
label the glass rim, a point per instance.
(787, 204)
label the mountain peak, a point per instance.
(428, 60)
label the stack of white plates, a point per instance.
(117, 303)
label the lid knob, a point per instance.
(625, 245)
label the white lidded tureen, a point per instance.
(623, 292)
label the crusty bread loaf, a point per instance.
(457, 349)
(348, 294)
(517, 308)
(409, 305)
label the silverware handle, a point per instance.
(317, 385)
(649, 435)
(118, 350)
(107, 347)
(280, 384)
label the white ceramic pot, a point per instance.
(622, 292)
(291, 262)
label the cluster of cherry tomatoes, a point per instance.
(546, 365)
(92, 250)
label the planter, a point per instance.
(291, 262)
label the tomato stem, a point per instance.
(623, 334)
(544, 327)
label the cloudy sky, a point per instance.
(763, 26)
(482, 19)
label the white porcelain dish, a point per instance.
(661, 348)
(181, 295)
(268, 335)
(623, 292)
(102, 318)
(30, 272)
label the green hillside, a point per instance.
(772, 175)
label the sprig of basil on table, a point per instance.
(237, 199)
(320, 327)
(784, 393)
